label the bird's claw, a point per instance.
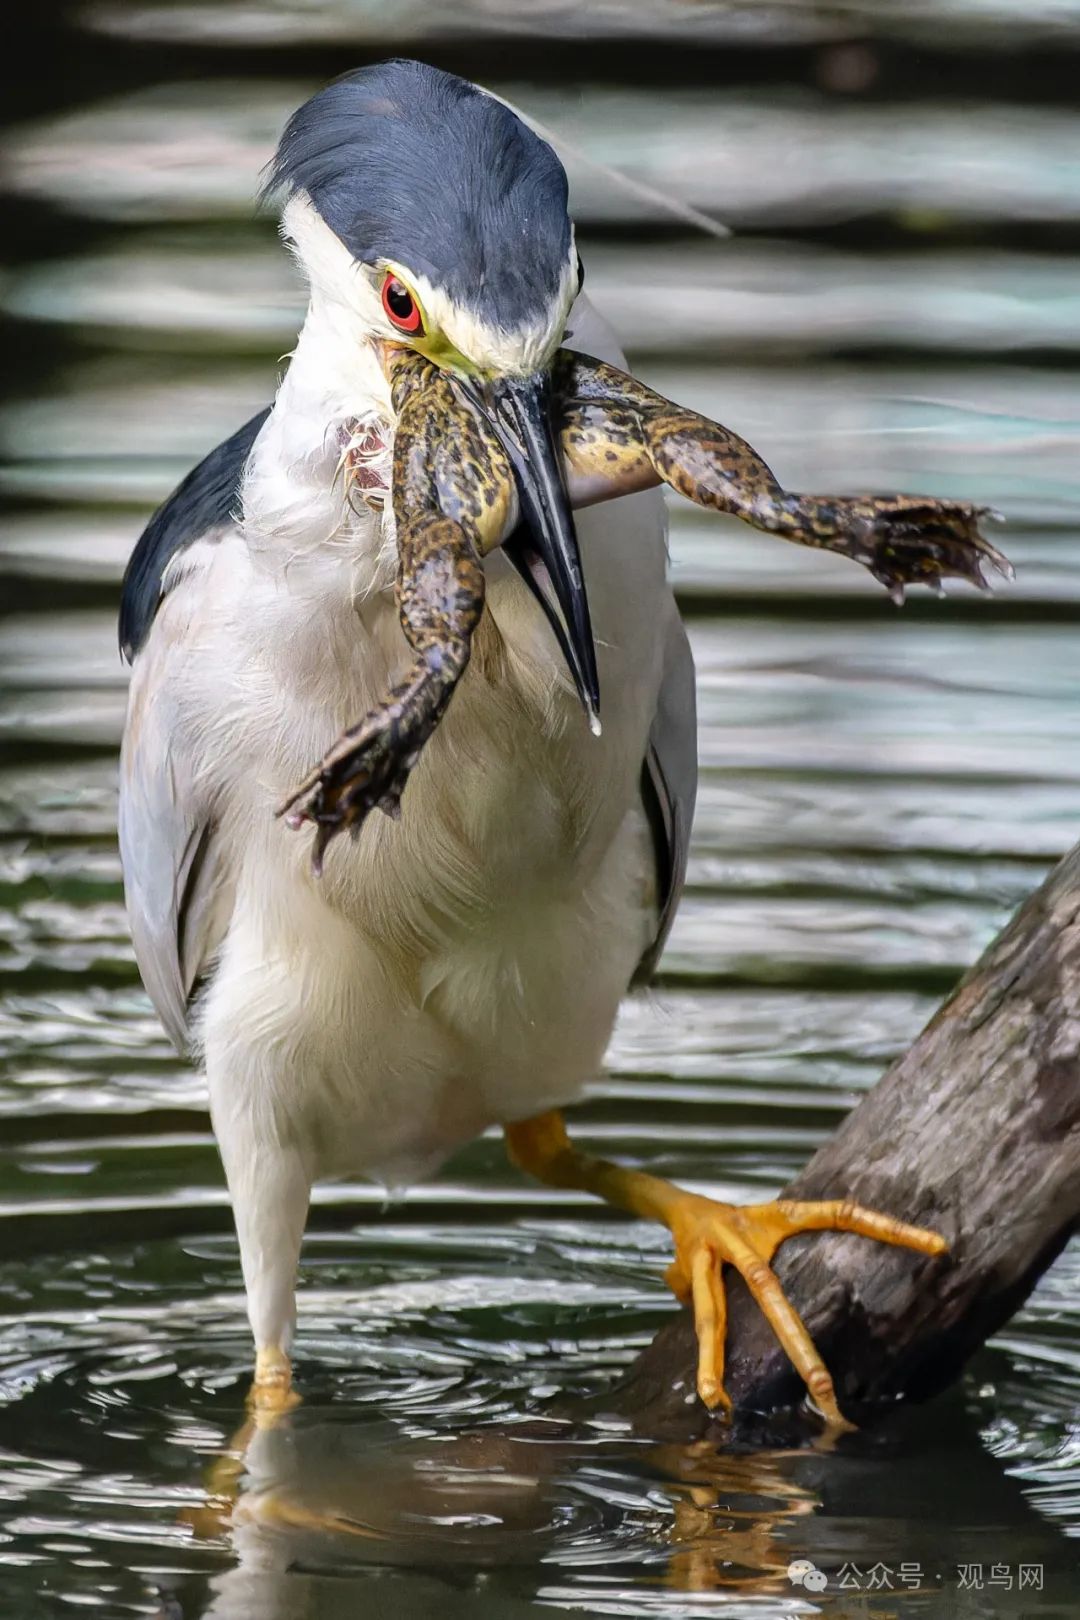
(709, 1235)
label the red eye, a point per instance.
(401, 306)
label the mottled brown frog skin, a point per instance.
(454, 500)
(453, 495)
(618, 436)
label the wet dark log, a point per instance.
(974, 1131)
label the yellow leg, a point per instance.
(709, 1235)
(270, 1397)
(272, 1389)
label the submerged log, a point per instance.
(974, 1131)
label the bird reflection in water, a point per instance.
(306, 1491)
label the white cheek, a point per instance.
(527, 349)
(332, 273)
(351, 294)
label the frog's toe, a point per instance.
(367, 769)
(913, 540)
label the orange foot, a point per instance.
(709, 1235)
(271, 1392)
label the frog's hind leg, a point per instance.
(440, 600)
(454, 499)
(618, 436)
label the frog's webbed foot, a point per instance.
(618, 436)
(440, 598)
(369, 765)
(901, 539)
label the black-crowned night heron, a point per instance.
(461, 965)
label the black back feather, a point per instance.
(205, 500)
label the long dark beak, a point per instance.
(544, 546)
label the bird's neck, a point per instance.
(297, 493)
(333, 373)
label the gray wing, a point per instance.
(178, 898)
(178, 906)
(669, 784)
(669, 770)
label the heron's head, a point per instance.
(453, 214)
(429, 211)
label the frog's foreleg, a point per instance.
(618, 435)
